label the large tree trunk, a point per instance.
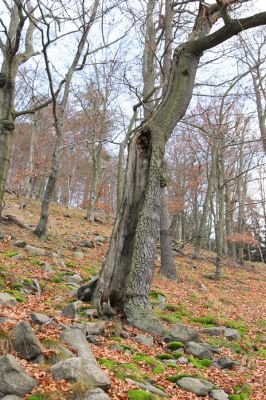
(168, 268)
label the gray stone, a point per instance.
(24, 341)
(99, 239)
(75, 338)
(225, 362)
(81, 370)
(181, 333)
(218, 394)
(96, 394)
(232, 334)
(20, 243)
(46, 267)
(75, 279)
(91, 313)
(91, 328)
(145, 339)
(7, 300)
(19, 257)
(213, 349)
(85, 292)
(183, 360)
(198, 350)
(11, 397)
(195, 385)
(14, 380)
(87, 243)
(36, 251)
(78, 254)
(214, 331)
(70, 311)
(40, 319)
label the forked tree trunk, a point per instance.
(168, 268)
(126, 276)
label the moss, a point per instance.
(165, 356)
(116, 339)
(158, 368)
(2, 283)
(17, 285)
(35, 262)
(262, 353)
(142, 357)
(157, 295)
(19, 297)
(199, 363)
(57, 279)
(2, 268)
(207, 320)
(241, 396)
(11, 254)
(70, 265)
(239, 325)
(107, 363)
(177, 354)
(175, 345)
(37, 397)
(171, 318)
(138, 394)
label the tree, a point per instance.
(126, 276)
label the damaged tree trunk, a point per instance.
(126, 276)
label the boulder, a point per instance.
(182, 360)
(46, 267)
(78, 254)
(81, 370)
(96, 394)
(87, 243)
(14, 380)
(40, 319)
(214, 331)
(75, 338)
(225, 362)
(7, 300)
(198, 350)
(20, 243)
(36, 251)
(218, 394)
(181, 333)
(70, 311)
(147, 340)
(201, 387)
(85, 292)
(232, 334)
(75, 279)
(19, 257)
(25, 342)
(91, 328)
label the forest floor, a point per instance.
(237, 301)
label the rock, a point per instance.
(46, 267)
(149, 387)
(195, 385)
(91, 328)
(182, 360)
(73, 279)
(198, 350)
(25, 342)
(87, 243)
(7, 300)
(99, 239)
(1, 236)
(232, 334)
(19, 257)
(91, 313)
(145, 339)
(213, 349)
(75, 338)
(36, 251)
(214, 331)
(218, 394)
(96, 394)
(11, 397)
(79, 369)
(93, 339)
(14, 380)
(225, 362)
(78, 254)
(40, 319)
(70, 311)
(20, 243)
(181, 333)
(85, 292)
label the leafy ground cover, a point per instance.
(236, 302)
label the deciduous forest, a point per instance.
(132, 199)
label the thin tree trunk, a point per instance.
(96, 159)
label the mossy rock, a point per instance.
(138, 394)
(199, 363)
(175, 345)
(175, 378)
(207, 320)
(19, 297)
(165, 356)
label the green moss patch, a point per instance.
(207, 320)
(175, 345)
(138, 394)
(197, 363)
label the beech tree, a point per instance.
(126, 275)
